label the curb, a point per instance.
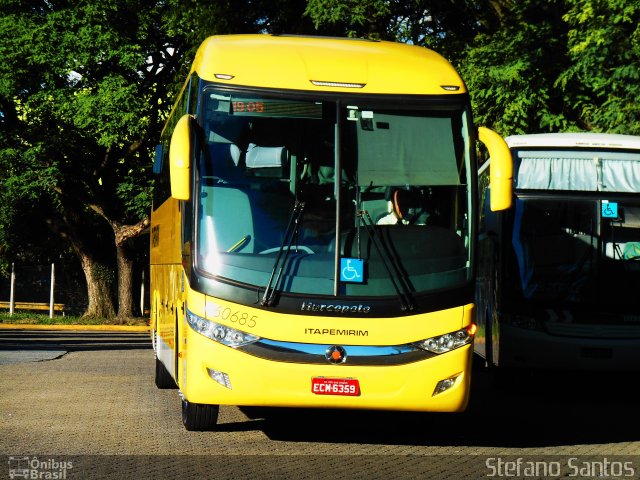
(103, 328)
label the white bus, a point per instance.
(558, 274)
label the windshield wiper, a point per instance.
(396, 277)
(287, 240)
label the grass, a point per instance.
(25, 318)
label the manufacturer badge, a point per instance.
(335, 354)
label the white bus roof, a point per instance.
(591, 162)
(583, 139)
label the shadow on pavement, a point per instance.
(537, 410)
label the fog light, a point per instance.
(220, 377)
(444, 385)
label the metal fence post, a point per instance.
(142, 295)
(53, 281)
(13, 284)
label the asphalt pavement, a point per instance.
(83, 404)
(19, 343)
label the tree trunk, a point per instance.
(125, 265)
(122, 233)
(98, 287)
(83, 238)
(125, 282)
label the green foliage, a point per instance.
(84, 89)
(80, 110)
(358, 18)
(80, 89)
(531, 66)
(558, 66)
(603, 81)
(112, 111)
(440, 24)
(510, 72)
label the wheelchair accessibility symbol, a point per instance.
(351, 270)
(609, 209)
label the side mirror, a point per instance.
(180, 159)
(501, 169)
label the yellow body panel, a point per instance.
(166, 270)
(288, 62)
(165, 234)
(256, 381)
(401, 387)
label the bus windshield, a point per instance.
(267, 187)
(577, 251)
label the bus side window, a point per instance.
(220, 161)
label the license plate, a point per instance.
(349, 387)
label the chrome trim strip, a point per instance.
(593, 330)
(313, 353)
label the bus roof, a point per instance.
(578, 140)
(325, 64)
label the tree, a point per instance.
(441, 24)
(501, 48)
(84, 89)
(510, 68)
(531, 66)
(79, 104)
(602, 82)
(563, 65)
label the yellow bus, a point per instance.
(314, 227)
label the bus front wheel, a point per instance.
(198, 417)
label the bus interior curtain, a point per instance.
(395, 150)
(578, 171)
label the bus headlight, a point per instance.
(448, 341)
(220, 333)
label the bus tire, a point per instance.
(199, 417)
(164, 379)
